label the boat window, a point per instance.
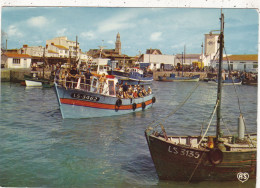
(111, 87)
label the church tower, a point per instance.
(118, 44)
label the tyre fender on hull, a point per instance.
(143, 105)
(153, 100)
(134, 106)
(118, 102)
(215, 156)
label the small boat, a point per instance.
(33, 80)
(229, 81)
(96, 100)
(133, 76)
(202, 157)
(173, 78)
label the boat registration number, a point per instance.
(184, 152)
(85, 97)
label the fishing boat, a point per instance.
(132, 76)
(173, 78)
(203, 157)
(229, 81)
(97, 99)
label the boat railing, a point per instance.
(82, 86)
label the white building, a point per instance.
(187, 59)
(63, 46)
(157, 61)
(15, 60)
(247, 63)
(36, 51)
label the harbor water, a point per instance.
(40, 149)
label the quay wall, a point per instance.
(167, 73)
(17, 75)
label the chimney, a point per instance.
(25, 46)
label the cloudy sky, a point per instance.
(167, 29)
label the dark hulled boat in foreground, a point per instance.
(199, 158)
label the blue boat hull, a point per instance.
(75, 103)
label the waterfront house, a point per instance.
(247, 63)
(187, 59)
(63, 46)
(15, 60)
(157, 60)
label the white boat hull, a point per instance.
(31, 83)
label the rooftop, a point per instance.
(249, 57)
(61, 47)
(17, 55)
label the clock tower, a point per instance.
(211, 44)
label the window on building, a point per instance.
(16, 61)
(255, 65)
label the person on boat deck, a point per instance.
(101, 80)
(87, 78)
(117, 88)
(125, 89)
(139, 91)
(73, 76)
(130, 92)
(64, 77)
(135, 95)
(149, 90)
(144, 91)
(120, 92)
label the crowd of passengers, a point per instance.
(69, 79)
(129, 92)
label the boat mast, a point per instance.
(43, 62)
(221, 43)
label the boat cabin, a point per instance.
(107, 88)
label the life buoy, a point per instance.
(143, 105)
(134, 106)
(118, 102)
(153, 100)
(215, 156)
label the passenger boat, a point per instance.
(93, 100)
(199, 158)
(173, 78)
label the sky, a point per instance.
(167, 29)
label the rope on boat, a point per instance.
(158, 122)
(238, 100)
(196, 167)
(212, 115)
